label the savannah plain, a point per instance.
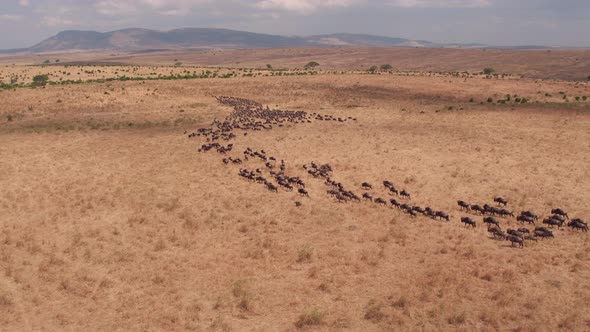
(111, 220)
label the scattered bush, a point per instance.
(268, 66)
(40, 80)
(311, 65)
(304, 254)
(373, 311)
(488, 70)
(490, 100)
(386, 67)
(372, 69)
(313, 317)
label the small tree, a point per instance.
(40, 80)
(268, 66)
(588, 77)
(311, 65)
(488, 70)
(372, 69)
(386, 67)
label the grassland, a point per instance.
(111, 220)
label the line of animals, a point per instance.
(518, 236)
(250, 115)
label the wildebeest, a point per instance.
(560, 212)
(506, 213)
(394, 202)
(368, 196)
(543, 232)
(477, 208)
(523, 219)
(366, 186)
(496, 232)
(463, 205)
(491, 221)
(500, 201)
(405, 194)
(380, 201)
(442, 215)
(303, 192)
(578, 224)
(515, 239)
(515, 233)
(553, 222)
(530, 215)
(468, 222)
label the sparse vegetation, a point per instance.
(40, 80)
(310, 318)
(489, 70)
(311, 65)
(386, 67)
(107, 207)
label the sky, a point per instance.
(24, 23)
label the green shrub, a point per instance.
(372, 69)
(386, 67)
(488, 70)
(311, 64)
(40, 80)
(490, 100)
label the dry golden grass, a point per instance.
(569, 64)
(111, 226)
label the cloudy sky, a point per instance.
(497, 22)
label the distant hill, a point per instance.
(145, 39)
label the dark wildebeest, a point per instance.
(477, 208)
(463, 205)
(368, 196)
(303, 192)
(491, 221)
(380, 201)
(523, 219)
(468, 222)
(543, 232)
(560, 212)
(500, 201)
(515, 239)
(442, 215)
(578, 224)
(405, 194)
(530, 214)
(366, 186)
(553, 222)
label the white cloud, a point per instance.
(115, 8)
(303, 6)
(55, 21)
(11, 18)
(162, 7)
(24, 3)
(441, 3)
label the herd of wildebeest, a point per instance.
(248, 115)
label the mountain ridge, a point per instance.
(136, 39)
